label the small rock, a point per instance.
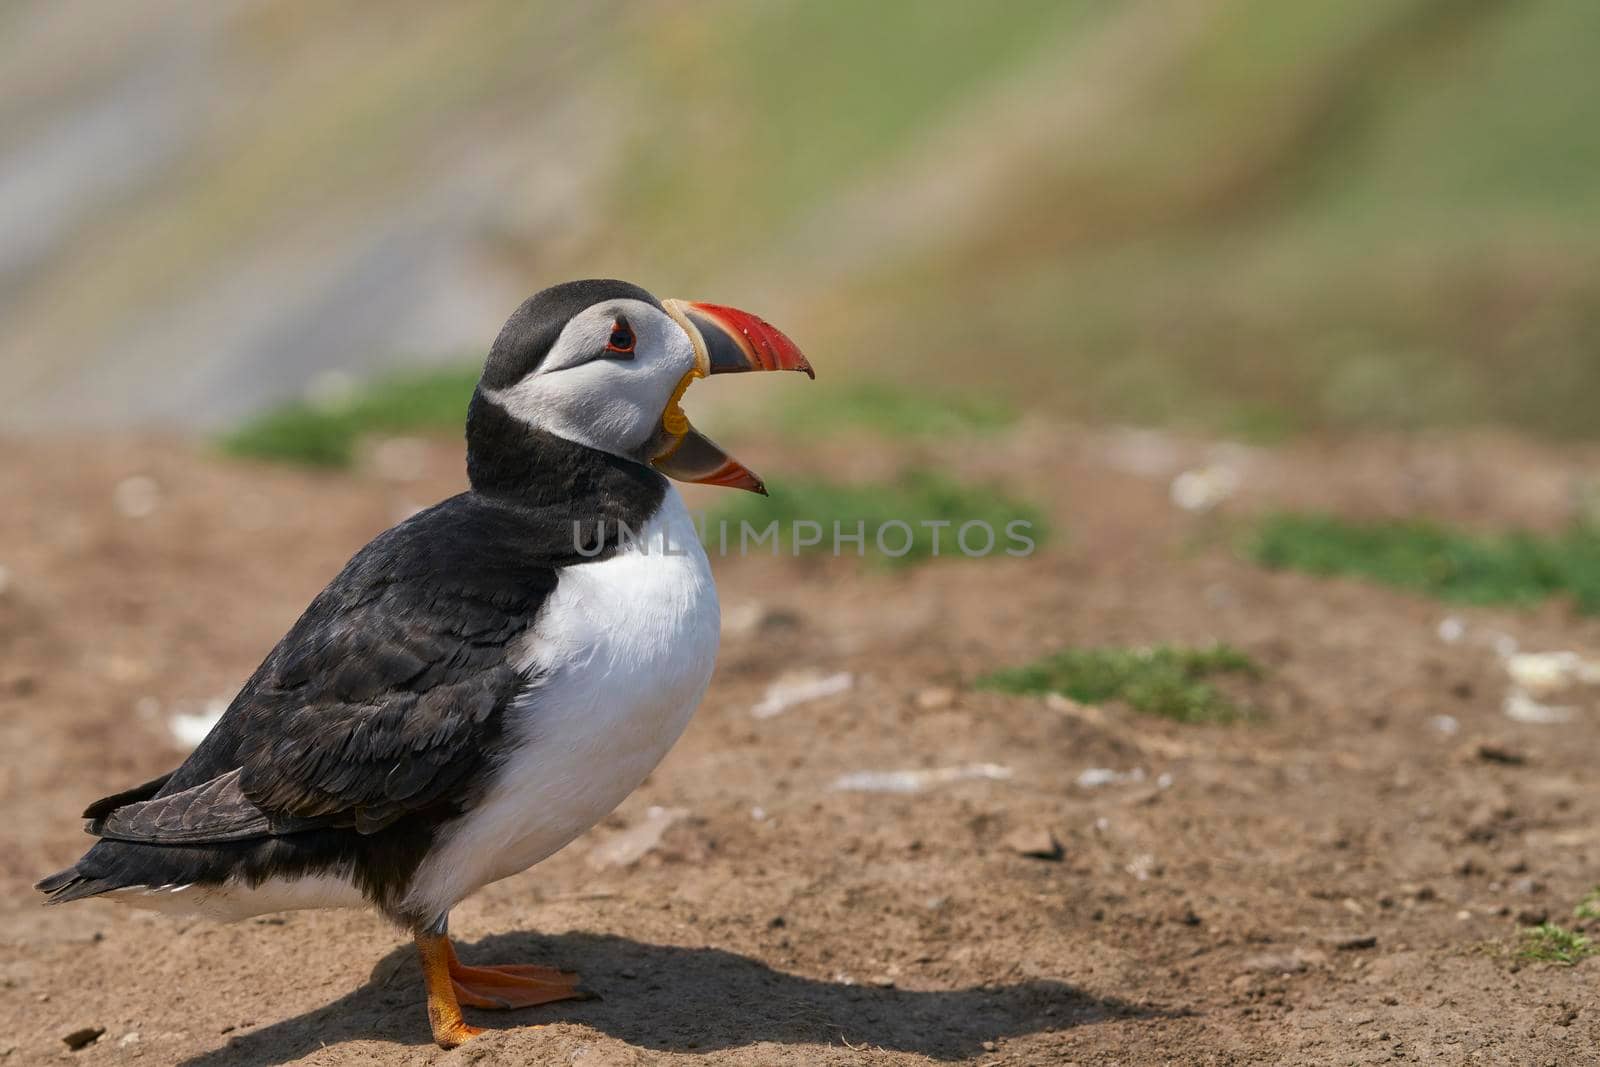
(1036, 842)
(1355, 942)
(936, 697)
(82, 1037)
(137, 497)
(1500, 752)
(631, 845)
(800, 687)
(1519, 706)
(1282, 962)
(1542, 673)
(1527, 886)
(1204, 488)
(129, 1038)
(1533, 916)
(1144, 867)
(918, 780)
(1095, 777)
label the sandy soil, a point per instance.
(1340, 882)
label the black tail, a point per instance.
(81, 879)
(71, 884)
(113, 865)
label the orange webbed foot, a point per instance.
(452, 984)
(491, 988)
(518, 985)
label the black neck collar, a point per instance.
(513, 463)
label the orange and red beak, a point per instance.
(726, 341)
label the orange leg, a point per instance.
(444, 1012)
(452, 984)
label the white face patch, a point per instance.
(613, 405)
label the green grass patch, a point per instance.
(1165, 680)
(325, 434)
(1549, 943)
(893, 411)
(895, 519)
(1511, 568)
(1589, 907)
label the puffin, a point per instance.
(486, 680)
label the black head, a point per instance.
(525, 339)
(601, 365)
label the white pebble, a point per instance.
(137, 497)
(1095, 777)
(1521, 707)
(1205, 487)
(799, 688)
(191, 728)
(917, 781)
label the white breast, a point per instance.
(619, 658)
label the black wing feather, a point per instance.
(106, 805)
(383, 700)
(208, 813)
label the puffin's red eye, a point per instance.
(621, 337)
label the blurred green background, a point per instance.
(1251, 217)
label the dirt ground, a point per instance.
(1341, 881)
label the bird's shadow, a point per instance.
(675, 999)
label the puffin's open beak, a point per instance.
(726, 340)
